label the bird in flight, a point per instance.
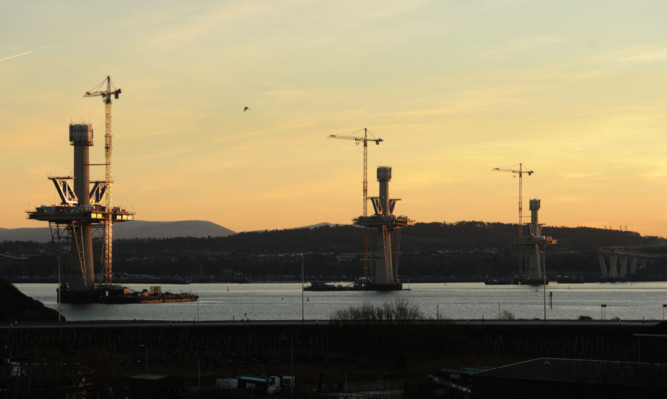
(246, 109)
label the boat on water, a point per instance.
(117, 294)
(324, 286)
(499, 281)
(516, 280)
(359, 285)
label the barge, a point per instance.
(516, 280)
(116, 294)
(356, 286)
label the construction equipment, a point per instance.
(520, 172)
(365, 140)
(388, 226)
(105, 90)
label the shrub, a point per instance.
(399, 310)
(507, 315)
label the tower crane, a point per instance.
(105, 90)
(365, 140)
(520, 172)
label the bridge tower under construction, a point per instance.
(534, 247)
(80, 210)
(388, 227)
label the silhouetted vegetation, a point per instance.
(398, 310)
(507, 315)
(462, 251)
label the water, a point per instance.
(278, 301)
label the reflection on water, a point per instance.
(445, 300)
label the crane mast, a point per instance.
(365, 141)
(520, 173)
(106, 90)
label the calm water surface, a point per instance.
(283, 301)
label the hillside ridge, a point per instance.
(132, 230)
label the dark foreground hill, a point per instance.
(17, 307)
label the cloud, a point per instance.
(289, 93)
(578, 175)
(522, 44)
(384, 9)
(16, 56)
(203, 24)
(167, 153)
(643, 54)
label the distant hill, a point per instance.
(317, 225)
(135, 229)
(184, 228)
(460, 251)
(39, 234)
(314, 226)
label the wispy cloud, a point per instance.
(383, 9)
(168, 153)
(578, 175)
(16, 56)
(569, 198)
(200, 25)
(522, 44)
(655, 52)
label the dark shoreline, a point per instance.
(405, 281)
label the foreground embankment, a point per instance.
(308, 349)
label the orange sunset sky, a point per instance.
(576, 91)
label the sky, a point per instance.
(574, 91)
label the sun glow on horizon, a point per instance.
(574, 91)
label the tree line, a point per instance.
(469, 250)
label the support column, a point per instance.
(603, 266)
(613, 272)
(633, 265)
(81, 137)
(624, 266)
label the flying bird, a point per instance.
(246, 109)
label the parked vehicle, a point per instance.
(278, 383)
(271, 385)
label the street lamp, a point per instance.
(303, 310)
(544, 283)
(60, 287)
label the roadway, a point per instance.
(289, 323)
